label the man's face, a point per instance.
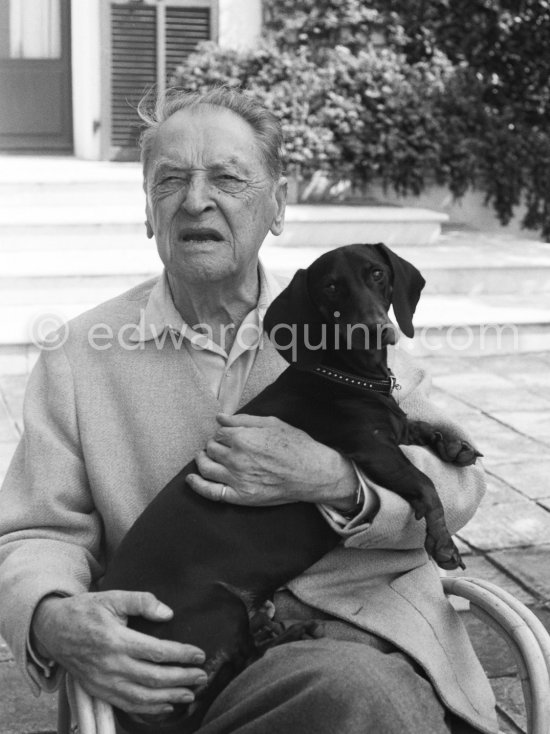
(210, 199)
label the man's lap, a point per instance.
(347, 681)
(328, 685)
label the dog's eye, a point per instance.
(377, 274)
(330, 287)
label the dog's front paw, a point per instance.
(439, 543)
(454, 450)
(444, 552)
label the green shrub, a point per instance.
(500, 50)
(325, 24)
(361, 117)
(407, 92)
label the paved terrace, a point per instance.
(504, 401)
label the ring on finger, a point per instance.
(222, 493)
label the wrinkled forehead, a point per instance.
(205, 137)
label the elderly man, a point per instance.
(146, 382)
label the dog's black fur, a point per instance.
(215, 564)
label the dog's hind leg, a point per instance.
(268, 632)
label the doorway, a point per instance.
(35, 75)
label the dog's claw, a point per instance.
(467, 455)
(439, 543)
(452, 564)
(454, 450)
(444, 552)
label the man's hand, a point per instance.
(264, 461)
(87, 635)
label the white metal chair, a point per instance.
(520, 628)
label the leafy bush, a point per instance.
(407, 92)
(289, 84)
(500, 50)
(325, 24)
(362, 116)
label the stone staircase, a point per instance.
(73, 236)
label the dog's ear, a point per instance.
(407, 286)
(294, 324)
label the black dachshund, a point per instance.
(215, 564)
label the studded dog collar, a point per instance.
(384, 387)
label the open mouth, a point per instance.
(200, 235)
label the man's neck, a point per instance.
(217, 306)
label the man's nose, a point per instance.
(197, 197)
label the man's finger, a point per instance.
(144, 647)
(210, 469)
(242, 420)
(214, 490)
(135, 603)
(224, 435)
(217, 451)
(164, 676)
(141, 699)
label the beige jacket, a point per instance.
(106, 429)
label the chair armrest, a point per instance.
(92, 715)
(524, 633)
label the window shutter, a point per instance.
(138, 63)
(133, 70)
(185, 28)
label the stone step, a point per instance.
(27, 171)
(444, 324)
(62, 192)
(68, 193)
(74, 237)
(120, 210)
(480, 325)
(322, 226)
(54, 267)
(460, 263)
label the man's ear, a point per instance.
(280, 197)
(294, 324)
(148, 226)
(407, 286)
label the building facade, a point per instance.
(72, 71)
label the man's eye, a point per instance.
(172, 181)
(228, 183)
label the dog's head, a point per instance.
(342, 301)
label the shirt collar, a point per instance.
(161, 314)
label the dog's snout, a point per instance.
(360, 335)
(389, 333)
(362, 320)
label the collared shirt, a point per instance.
(225, 372)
